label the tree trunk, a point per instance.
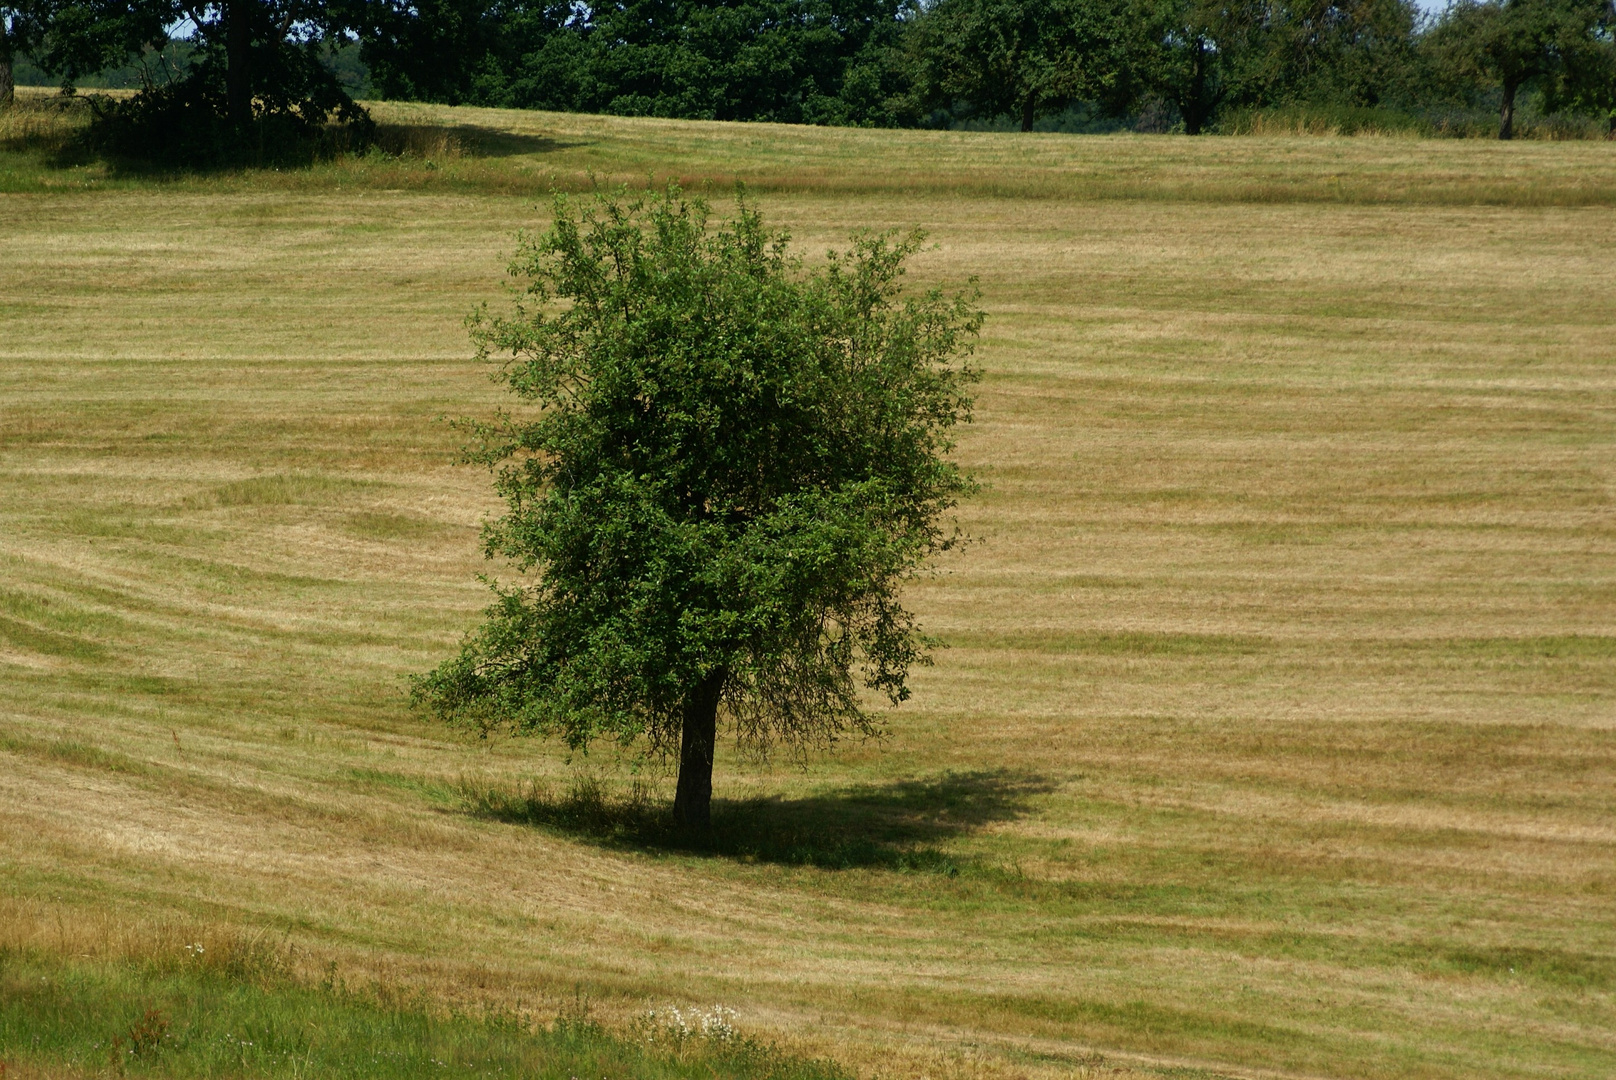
(8, 85)
(1029, 105)
(1506, 113)
(693, 800)
(1193, 115)
(238, 61)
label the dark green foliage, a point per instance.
(1073, 65)
(150, 66)
(1562, 47)
(790, 60)
(1192, 63)
(11, 42)
(73, 39)
(1356, 54)
(188, 121)
(735, 465)
(454, 51)
(799, 61)
(1021, 57)
(255, 87)
(1206, 57)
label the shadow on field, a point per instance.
(888, 826)
(445, 142)
(480, 141)
(62, 132)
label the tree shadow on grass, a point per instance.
(441, 141)
(430, 146)
(492, 142)
(888, 826)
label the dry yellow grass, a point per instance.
(1277, 735)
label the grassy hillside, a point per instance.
(1278, 731)
(509, 152)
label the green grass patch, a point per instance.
(1546, 647)
(284, 489)
(35, 639)
(188, 1016)
(379, 526)
(379, 779)
(1119, 643)
(45, 625)
(74, 753)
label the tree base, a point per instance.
(693, 799)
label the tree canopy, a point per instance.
(1016, 56)
(816, 61)
(255, 81)
(1563, 45)
(734, 464)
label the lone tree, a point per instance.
(733, 466)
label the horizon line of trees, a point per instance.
(1184, 64)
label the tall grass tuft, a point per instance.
(426, 142)
(1324, 120)
(1341, 120)
(35, 122)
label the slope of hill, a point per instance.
(1278, 730)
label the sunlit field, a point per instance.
(1276, 734)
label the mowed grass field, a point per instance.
(1277, 734)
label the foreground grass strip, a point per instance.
(191, 1018)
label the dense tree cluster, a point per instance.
(899, 62)
(795, 61)
(876, 62)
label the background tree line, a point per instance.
(218, 68)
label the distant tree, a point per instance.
(1206, 56)
(1588, 85)
(816, 61)
(453, 51)
(74, 39)
(1201, 54)
(734, 465)
(1343, 52)
(255, 71)
(1561, 45)
(1016, 57)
